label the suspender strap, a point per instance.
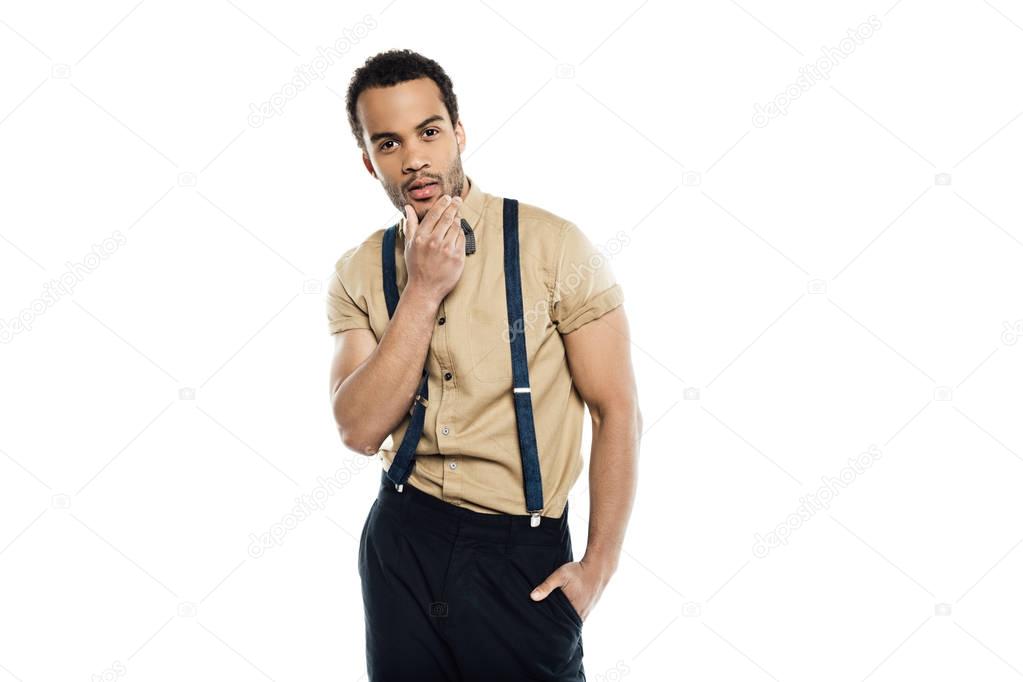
(390, 270)
(520, 369)
(405, 458)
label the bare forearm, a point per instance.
(613, 474)
(377, 395)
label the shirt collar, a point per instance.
(471, 211)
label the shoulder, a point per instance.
(554, 235)
(541, 219)
(355, 264)
(543, 228)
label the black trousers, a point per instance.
(446, 593)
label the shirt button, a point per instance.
(445, 430)
(441, 320)
(448, 375)
(453, 465)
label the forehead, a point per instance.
(400, 107)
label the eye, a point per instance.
(434, 129)
(386, 142)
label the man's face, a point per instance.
(409, 137)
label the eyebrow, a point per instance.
(378, 136)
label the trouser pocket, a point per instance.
(549, 629)
(559, 594)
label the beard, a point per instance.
(451, 183)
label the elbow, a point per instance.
(358, 442)
(356, 439)
(346, 423)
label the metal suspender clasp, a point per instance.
(534, 519)
(521, 389)
(399, 486)
(418, 399)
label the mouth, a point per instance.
(424, 192)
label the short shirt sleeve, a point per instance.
(585, 286)
(343, 313)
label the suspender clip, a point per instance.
(418, 399)
(399, 486)
(534, 519)
(521, 389)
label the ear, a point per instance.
(368, 164)
(460, 136)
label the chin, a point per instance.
(435, 200)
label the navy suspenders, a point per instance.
(404, 459)
(520, 369)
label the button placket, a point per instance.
(440, 334)
(452, 480)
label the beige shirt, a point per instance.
(469, 451)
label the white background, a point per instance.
(845, 277)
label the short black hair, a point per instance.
(393, 67)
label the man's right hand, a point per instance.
(435, 248)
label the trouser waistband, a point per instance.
(415, 507)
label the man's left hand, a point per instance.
(581, 581)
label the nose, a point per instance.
(415, 161)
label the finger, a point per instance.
(554, 580)
(432, 216)
(411, 223)
(455, 245)
(451, 220)
(459, 246)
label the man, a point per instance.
(470, 384)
